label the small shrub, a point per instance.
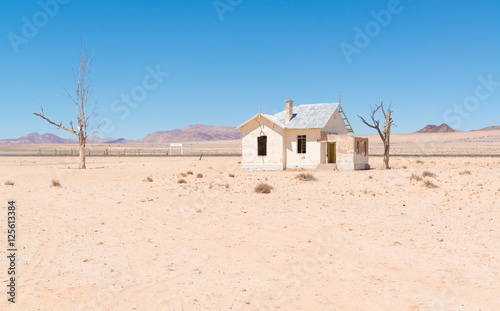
(415, 177)
(305, 177)
(181, 181)
(429, 184)
(183, 174)
(263, 188)
(199, 175)
(231, 175)
(428, 174)
(55, 183)
(189, 173)
(9, 183)
(227, 186)
(466, 172)
(404, 167)
(149, 179)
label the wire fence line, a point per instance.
(114, 152)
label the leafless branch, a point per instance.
(58, 125)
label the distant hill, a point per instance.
(198, 132)
(490, 128)
(189, 133)
(443, 128)
(35, 138)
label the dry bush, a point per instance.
(231, 175)
(55, 183)
(404, 167)
(149, 179)
(263, 188)
(306, 177)
(466, 172)
(9, 183)
(181, 181)
(189, 173)
(428, 174)
(415, 177)
(199, 175)
(183, 174)
(428, 184)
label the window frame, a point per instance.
(262, 152)
(301, 144)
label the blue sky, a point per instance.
(217, 62)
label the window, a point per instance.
(358, 151)
(262, 145)
(301, 144)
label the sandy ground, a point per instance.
(107, 239)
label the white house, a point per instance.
(305, 136)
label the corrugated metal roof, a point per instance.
(311, 116)
(274, 119)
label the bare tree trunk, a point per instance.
(81, 148)
(387, 143)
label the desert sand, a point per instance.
(109, 239)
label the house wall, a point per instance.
(360, 153)
(347, 156)
(312, 157)
(274, 158)
(335, 125)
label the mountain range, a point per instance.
(197, 132)
(431, 128)
(191, 133)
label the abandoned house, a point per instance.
(306, 136)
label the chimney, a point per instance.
(289, 109)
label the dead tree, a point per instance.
(385, 135)
(82, 81)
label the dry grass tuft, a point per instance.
(181, 181)
(9, 183)
(189, 173)
(415, 177)
(149, 179)
(263, 188)
(183, 174)
(404, 167)
(231, 175)
(199, 175)
(428, 174)
(466, 172)
(55, 183)
(429, 184)
(306, 177)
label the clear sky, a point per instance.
(185, 62)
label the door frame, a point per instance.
(331, 146)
